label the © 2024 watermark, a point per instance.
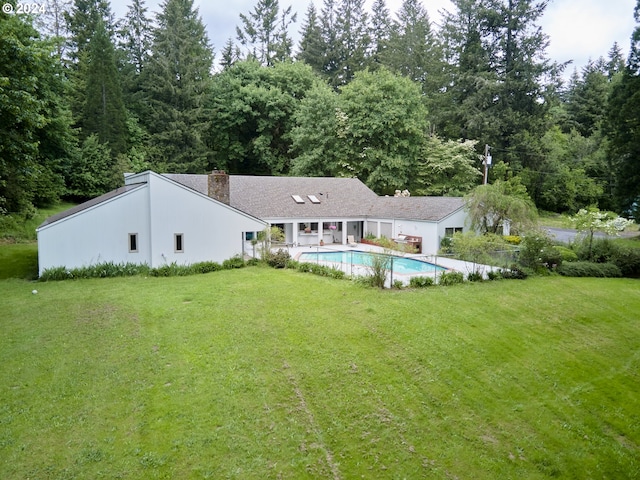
(26, 8)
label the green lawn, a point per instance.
(259, 373)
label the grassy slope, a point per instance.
(260, 373)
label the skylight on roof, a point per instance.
(313, 199)
(297, 198)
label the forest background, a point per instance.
(386, 96)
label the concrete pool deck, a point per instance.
(449, 263)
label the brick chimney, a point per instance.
(218, 186)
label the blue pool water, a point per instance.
(400, 264)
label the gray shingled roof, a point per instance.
(90, 203)
(199, 183)
(417, 208)
(270, 197)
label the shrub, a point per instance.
(398, 284)
(475, 277)
(513, 239)
(446, 245)
(101, 270)
(590, 269)
(514, 273)
(171, 270)
(604, 250)
(205, 267)
(55, 273)
(450, 278)
(252, 262)
(233, 262)
(420, 282)
(378, 267)
(321, 270)
(538, 252)
(278, 259)
(494, 274)
(566, 254)
(627, 259)
(478, 248)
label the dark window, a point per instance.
(133, 242)
(448, 232)
(179, 243)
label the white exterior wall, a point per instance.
(211, 230)
(97, 235)
(431, 232)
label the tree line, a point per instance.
(388, 97)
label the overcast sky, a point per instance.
(579, 30)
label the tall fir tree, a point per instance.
(353, 41)
(413, 48)
(500, 84)
(82, 22)
(624, 128)
(330, 47)
(103, 112)
(229, 55)
(134, 33)
(310, 46)
(177, 81)
(587, 98)
(266, 39)
(53, 25)
(380, 33)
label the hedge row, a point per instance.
(110, 269)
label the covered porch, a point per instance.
(305, 232)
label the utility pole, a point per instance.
(487, 163)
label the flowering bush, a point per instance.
(591, 220)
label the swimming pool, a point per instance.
(401, 265)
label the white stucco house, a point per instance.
(151, 220)
(158, 219)
(314, 209)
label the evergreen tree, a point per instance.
(177, 81)
(413, 50)
(92, 171)
(310, 48)
(353, 41)
(103, 112)
(330, 48)
(52, 24)
(82, 22)
(587, 98)
(380, 33)
(500, 87)
(267, 41)
(134, 33)
(615, 60)
(624, 128)
(229, 55)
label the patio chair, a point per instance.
(351, 241)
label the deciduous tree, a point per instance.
(491, 206)
(35, 134)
